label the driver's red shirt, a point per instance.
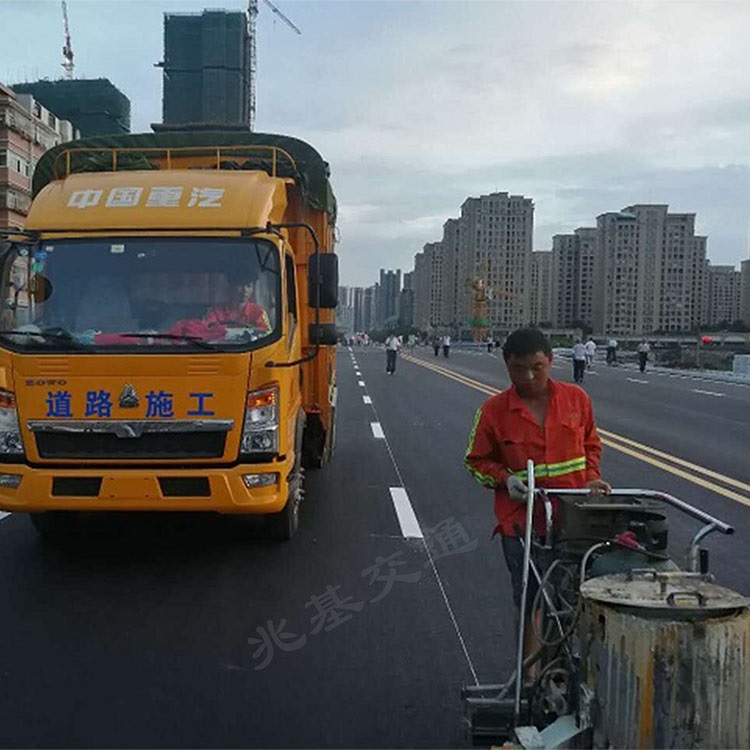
(251, 314)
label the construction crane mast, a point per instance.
(483, 297)
(252, 55)
(67, 50)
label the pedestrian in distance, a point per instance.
(490, 344)
(643, 349)
(590, 353)
(537, 418)
(579, 361)
(436, 345)
(612, 351)
(446, 345)
(392, 345)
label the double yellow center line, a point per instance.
(699, 475)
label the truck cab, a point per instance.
(167, 329)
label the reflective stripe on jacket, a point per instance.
(566, 453)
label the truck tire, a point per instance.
(283, 525)
(56, 525)
(330, 438)
(313, 444)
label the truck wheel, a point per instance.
(331, 442)
(56, 525)
(283, 525)
(313, 444)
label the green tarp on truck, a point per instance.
(311, 172)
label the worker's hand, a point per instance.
(517, 490)
(598, 487)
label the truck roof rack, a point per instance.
(278, 155)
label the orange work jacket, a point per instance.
(566, 452)
(251, 313)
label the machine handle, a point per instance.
(663, 497)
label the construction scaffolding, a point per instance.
(94, 106)
(205, 68)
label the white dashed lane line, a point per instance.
(3, 515)
(708, 393)
(406, 518)
(361, 383)
(377, 430)
(635, 380)
(367, 399)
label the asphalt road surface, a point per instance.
(192, 631)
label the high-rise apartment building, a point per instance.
(345, 311)
(358, 303)
(428, 286)
(388, 294)
(94, 106)
(540, 297)
(27, 130)
(448, 276)
(370, 308)
(491, 242)
(206, 68)
(745, 292)
(587, 263)
(724, 295)
(421, 283)
(565, 262)
(573, 276)
(650, 273)
(406, 301)
(495, 245)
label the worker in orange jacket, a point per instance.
(242, 309)
(537, 418)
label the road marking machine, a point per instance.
(630, 650)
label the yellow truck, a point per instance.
(167, 338)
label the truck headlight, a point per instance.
(260, 433)
(10, 431)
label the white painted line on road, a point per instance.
(635, 380)
(448, 607)
(406, 518)
(591, 372)
(361, 383)
(3, 515)
(708, 393)
(367, 399)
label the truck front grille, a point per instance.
(148, 446)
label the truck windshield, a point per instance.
(134, 293)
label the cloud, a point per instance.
(583, 106)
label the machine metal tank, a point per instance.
(664, 661)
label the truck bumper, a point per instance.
(222, 490)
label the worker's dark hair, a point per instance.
(525, 341)
(248, 275)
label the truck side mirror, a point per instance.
(323, 334)
(323, 280)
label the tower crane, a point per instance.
(67, 50)
(252, 58)
(481, 299)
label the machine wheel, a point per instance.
(283, 525)
(56, 525)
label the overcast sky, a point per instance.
(584, 107)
